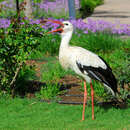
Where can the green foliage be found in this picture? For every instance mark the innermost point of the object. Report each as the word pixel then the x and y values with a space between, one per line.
pixel 99 90
pixel 119 61
pixel 87 6
pixel 124 70
pixel 6 11
pixel 124 95
pixel 96 42
pixel 125 66
pixel 25 74
pixel 49 91
pixel 37 1
pixel 16 44
pixel 52 72
pixel 49 45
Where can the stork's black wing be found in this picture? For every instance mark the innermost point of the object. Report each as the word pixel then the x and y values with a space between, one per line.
pixel 98 73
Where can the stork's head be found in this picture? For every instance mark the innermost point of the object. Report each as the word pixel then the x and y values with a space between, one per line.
pixel 65 28
pixel 68 27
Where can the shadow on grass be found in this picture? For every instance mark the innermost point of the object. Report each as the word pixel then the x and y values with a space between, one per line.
pixel 32 86
pixel 114 103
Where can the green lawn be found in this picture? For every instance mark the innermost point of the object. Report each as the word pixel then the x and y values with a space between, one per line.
pixel 22 114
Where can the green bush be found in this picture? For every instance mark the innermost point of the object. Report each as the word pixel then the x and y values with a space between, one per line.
pixel 87 6
pixel 124 69
pixel 16 44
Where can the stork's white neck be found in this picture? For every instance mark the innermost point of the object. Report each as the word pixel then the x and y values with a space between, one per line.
pixel 65 39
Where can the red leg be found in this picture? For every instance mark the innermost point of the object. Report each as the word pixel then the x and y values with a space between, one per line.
pixel 85 98
pixel 92 96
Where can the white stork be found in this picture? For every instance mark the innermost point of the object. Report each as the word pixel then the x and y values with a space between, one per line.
pixel 84 63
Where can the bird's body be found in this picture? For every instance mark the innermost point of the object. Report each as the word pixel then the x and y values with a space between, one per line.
pixel 72 55
pixel 84 63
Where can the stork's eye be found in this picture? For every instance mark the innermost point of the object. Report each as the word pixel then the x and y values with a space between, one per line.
pixel 66 24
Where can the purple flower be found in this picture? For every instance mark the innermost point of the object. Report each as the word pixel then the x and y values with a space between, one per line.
pixel 4 23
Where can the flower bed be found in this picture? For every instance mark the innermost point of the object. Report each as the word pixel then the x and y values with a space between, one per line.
pixel 90 25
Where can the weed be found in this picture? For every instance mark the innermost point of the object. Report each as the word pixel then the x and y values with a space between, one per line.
pixel 52 72
pixel 124 95
pixel 98 89
pixel 49 91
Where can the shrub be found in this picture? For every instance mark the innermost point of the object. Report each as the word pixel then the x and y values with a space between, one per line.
pixel 16 44
pixel 124 67
pixel 87 6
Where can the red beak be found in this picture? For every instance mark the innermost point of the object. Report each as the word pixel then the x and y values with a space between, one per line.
pixel 60 30
pixel 54 21
pixel 57 22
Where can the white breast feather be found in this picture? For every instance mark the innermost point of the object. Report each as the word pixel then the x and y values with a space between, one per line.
pixel 86 58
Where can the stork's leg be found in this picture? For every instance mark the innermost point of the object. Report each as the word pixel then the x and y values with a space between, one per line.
pixel 85 98
pixel 92 96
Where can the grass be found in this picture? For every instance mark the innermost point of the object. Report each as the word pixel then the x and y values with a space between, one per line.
pixel 49 46
pixel 52 71
pixel 97 42
pixel 29 114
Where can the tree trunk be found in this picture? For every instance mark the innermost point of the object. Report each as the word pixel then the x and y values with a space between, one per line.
pixel 17 10
pixel 17 6
pixel 28 8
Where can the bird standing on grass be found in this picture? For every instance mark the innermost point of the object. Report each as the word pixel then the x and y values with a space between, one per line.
pixel 84 63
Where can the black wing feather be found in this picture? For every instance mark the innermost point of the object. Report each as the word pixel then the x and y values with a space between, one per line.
pixel 103 75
